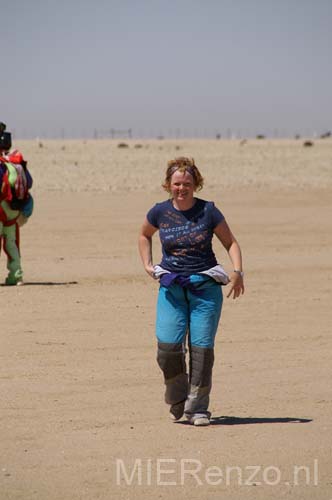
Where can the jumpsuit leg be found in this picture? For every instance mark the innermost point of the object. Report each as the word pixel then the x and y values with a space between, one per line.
pixel 1 235
pixel 11 248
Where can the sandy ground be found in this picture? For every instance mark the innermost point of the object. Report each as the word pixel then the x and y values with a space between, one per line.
pixel 82 412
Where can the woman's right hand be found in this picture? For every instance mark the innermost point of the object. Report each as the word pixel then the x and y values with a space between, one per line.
pixel 150 270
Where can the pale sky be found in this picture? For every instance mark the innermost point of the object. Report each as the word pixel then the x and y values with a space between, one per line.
pixel 186 67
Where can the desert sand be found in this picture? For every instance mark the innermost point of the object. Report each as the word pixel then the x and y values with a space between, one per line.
pixel 82 411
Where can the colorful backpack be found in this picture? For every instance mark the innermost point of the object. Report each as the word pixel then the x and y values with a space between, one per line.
pixel 15 180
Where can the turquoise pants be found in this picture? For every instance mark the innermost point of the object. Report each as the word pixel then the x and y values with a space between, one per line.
pixel 180 310
pixel 180 313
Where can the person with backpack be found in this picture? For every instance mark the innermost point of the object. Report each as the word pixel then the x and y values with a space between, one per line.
pixel 16 204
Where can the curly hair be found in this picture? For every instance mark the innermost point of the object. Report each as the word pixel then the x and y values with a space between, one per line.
pixel 183 164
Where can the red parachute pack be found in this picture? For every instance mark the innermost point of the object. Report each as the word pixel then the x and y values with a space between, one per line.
pixel 23 182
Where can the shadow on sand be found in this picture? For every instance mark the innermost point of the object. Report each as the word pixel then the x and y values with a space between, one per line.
pixel 227 420
pixel 45 283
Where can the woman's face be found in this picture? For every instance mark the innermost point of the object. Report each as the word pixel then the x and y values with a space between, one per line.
pixel 182 186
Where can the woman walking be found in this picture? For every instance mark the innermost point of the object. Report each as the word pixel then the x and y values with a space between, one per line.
pixel 190 296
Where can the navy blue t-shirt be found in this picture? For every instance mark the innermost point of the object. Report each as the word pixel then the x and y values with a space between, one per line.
pixel 186 235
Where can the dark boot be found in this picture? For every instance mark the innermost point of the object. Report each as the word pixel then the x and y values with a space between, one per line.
pixel 171 360
pixel 200 379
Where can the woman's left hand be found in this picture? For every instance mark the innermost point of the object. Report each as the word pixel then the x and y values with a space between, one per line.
pixel 237 285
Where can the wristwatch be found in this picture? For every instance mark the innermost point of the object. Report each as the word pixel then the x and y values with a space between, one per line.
pixel 241 273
